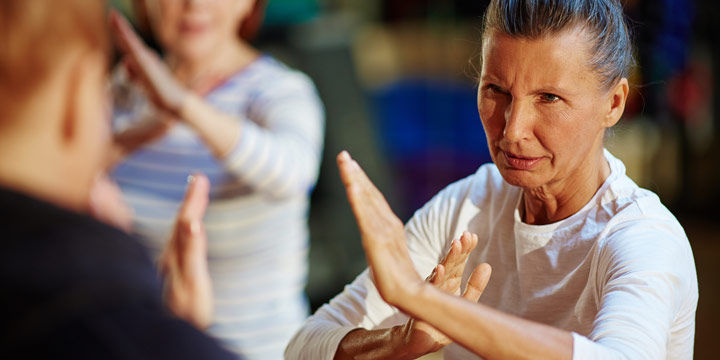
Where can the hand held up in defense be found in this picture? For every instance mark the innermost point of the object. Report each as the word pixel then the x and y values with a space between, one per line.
pixel 422 337
pixel 188 288
pixel 173 99
pixel 183 264
pixel 145 67
pixel 382 232
pixel 387 255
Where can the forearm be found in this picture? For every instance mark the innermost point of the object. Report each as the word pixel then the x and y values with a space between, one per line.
pixel 283 163
pixel 487 332
pixel 134 138
pixel 375 344
pixel 219 131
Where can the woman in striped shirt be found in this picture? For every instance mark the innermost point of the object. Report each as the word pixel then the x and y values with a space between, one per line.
pixel 216 105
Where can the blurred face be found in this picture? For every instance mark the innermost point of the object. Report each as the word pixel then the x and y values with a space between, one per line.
pixel 542 108
pixel 192 29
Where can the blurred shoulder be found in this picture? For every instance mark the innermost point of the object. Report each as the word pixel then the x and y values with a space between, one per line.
pixel 268 73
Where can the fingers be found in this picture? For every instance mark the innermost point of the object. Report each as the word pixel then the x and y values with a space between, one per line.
pixel 127 39
pixel 468 241
pixel 188 288
pixel 460 248
pixel 477 282
pixel 352 174
pixel 196 198
pixel 191 236
pixel 139 59
pixel 456 257
pixel 188 242
pixel 437 277
pixel 371 210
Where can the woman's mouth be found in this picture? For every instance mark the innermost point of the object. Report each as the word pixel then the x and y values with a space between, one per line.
pixel 189 29
pixel 520 162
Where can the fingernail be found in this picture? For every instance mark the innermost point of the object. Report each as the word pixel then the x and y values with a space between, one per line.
pixel 190 179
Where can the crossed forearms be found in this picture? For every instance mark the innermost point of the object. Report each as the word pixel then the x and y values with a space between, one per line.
pixel 390 343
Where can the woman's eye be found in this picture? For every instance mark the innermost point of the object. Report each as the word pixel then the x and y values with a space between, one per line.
pixel 494 89
pixel 550 98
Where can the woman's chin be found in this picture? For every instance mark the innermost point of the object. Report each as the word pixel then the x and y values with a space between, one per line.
pixel 521 178
pixel 193 51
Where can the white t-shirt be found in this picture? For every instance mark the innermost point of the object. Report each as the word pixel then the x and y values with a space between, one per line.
pixel 619 273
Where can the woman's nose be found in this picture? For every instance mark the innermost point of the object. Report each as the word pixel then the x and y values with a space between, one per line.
pixel 518 122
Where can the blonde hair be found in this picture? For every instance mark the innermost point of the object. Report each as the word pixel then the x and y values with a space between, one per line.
pixel 34 34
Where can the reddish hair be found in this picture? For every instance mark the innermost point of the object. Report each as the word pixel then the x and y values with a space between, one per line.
pixel 34 34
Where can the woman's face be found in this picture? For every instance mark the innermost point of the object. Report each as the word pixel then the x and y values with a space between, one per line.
pixel 193 29
pixel 542 108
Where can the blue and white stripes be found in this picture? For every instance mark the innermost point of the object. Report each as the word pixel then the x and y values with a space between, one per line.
pixel 257 218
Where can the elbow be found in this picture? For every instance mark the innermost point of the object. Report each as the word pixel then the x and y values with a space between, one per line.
pixel 297 180
pixel 297 347
pixel 291 188
pixel 291 351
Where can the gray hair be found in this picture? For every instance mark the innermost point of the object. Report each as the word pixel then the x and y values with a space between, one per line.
pixel 602 20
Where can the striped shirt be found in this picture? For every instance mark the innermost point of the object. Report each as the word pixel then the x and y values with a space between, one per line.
pixel 257 218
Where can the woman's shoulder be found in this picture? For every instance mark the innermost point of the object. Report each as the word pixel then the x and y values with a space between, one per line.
pixel 623 201
pixel 638 225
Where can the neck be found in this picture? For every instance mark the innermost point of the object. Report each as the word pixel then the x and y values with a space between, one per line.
pixel 557 201
pixel 41 171
pixel 222 62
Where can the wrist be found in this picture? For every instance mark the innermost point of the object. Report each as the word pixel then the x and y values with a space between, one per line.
pixel 186 106
pixel 403 345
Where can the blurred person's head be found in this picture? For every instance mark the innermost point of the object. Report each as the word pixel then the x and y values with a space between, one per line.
pixel 553 79
pixel 192 29
pixel 54 128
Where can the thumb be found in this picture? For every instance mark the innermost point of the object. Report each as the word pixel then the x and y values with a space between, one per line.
pixel 477 282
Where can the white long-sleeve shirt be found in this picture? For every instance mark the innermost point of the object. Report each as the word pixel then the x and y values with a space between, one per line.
pixel 619 274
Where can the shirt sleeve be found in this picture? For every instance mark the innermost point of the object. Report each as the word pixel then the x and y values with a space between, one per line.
pixel 279 151
pixel 360 304
pixel 648 292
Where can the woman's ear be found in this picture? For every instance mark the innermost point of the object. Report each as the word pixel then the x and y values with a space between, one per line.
pixel 71 105
pixel 84 99
pixel 617 96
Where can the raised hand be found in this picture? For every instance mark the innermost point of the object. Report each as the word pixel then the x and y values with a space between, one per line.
pixel 146 67
pixel 383 235
pixel 386 251
pixel 422 337
pixel 188 289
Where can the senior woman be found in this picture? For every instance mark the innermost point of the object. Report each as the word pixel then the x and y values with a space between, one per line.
pixel 585 263
pixel 216 105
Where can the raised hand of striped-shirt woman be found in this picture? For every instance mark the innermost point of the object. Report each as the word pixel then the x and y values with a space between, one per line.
pixel 219 131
